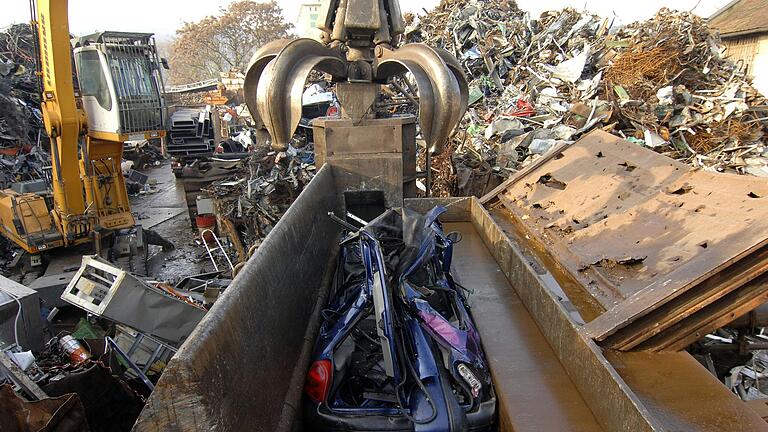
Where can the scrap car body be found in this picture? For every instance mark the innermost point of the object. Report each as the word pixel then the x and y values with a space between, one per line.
pixel 397 348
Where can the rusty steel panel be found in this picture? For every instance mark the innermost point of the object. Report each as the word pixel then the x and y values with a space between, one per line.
pixel 680 391
pixel 717 314
pixel 722 297
pixel 243 367
pixel 638 230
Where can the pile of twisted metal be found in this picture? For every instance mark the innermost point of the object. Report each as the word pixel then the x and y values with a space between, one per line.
pixel 665 84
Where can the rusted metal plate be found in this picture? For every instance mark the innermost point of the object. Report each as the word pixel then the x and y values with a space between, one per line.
pixel 720 313
pixel 244 366
pixel 682 393
pixel 348 139
pixel 625 391
pixel 638 229
pixel 724 222
pixel 719 298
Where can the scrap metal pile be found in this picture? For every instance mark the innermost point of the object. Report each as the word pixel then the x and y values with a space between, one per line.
pixel 110 361
pixel 19 164
pixel 21 122
pixel 253 200
pixel 537 82
pixel 90 374
pixel 20 117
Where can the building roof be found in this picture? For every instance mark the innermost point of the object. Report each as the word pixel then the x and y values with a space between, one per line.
pixel 741 17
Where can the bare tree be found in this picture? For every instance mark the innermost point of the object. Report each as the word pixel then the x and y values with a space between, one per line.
pixel 220 43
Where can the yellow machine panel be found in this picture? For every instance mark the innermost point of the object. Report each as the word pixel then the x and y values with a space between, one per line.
pixel 27 222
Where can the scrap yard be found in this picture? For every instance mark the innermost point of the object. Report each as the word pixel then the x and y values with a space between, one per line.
pixel 368 215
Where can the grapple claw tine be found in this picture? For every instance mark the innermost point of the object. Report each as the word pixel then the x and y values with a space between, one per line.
pixel 443 89
pixel 394 67
pixel 455 67
pixel 279 80
pixel 256 66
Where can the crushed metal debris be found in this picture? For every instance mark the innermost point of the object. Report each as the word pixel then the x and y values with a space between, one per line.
pixel 537 82
pixel 536 86
pixel 249 203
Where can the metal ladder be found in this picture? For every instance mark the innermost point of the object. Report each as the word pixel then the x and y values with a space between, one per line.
pixel 219 247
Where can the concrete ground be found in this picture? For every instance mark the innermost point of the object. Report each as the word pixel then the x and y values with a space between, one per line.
pixel 165 212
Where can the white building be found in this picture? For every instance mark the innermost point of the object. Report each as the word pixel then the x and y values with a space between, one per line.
pixel 743 26
pixel 305 23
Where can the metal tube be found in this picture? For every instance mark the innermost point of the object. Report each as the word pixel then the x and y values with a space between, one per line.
pixel 152 358
pixel 428 163
pixel 136 343
pixel 342 222
pixel 131 364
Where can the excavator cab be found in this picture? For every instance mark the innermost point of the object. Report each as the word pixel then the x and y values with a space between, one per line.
pixel 120 85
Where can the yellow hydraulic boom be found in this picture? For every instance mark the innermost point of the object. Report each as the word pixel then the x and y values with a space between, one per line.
pixel 64 122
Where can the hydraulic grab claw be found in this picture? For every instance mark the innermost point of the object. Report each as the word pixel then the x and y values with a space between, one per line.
pixel 356 46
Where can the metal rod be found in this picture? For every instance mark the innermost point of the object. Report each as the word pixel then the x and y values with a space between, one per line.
pixel 136 343
pixel 357 219
pixel 152 358
pixel 428 163
pixel 110 342
pixel 342 222
pixel 405 93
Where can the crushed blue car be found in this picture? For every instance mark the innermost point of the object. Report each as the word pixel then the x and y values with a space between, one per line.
pixel 397 349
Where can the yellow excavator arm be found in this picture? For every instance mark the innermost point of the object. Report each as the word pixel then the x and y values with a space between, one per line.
pixel 64 122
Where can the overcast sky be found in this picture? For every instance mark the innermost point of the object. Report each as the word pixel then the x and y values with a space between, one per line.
pixel 163 17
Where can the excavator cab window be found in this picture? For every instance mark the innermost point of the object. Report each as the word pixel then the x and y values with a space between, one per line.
pixel 135 87
pixel 132 77
pixel 128 83
pixel 91 77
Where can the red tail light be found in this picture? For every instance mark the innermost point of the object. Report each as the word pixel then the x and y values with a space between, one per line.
pixel 318 380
